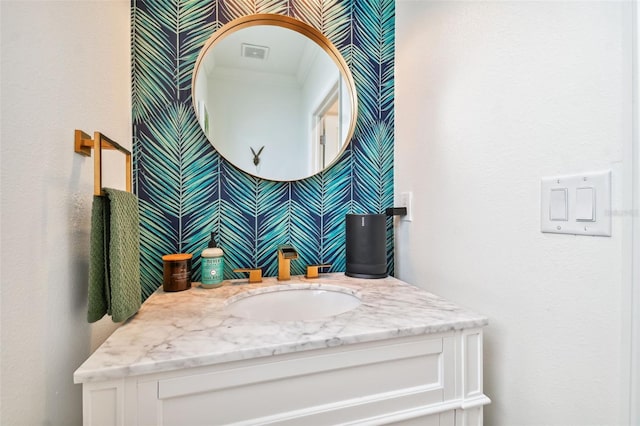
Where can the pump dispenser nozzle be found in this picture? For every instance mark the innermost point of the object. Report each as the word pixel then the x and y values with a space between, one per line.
pixel 212 241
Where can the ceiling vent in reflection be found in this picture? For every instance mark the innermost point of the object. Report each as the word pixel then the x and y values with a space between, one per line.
pixel 254 51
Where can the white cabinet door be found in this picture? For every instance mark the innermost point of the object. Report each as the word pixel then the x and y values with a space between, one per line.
pixel 347 385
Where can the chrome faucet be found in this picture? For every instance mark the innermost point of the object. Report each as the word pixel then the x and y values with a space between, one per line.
pixel 285 253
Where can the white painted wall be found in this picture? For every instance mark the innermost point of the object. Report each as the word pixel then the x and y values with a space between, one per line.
pixel 272 119
pixel 635 298
pixel 490 97
pixel 65 65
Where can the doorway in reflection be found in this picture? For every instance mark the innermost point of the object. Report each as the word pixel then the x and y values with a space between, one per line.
pixel 326 143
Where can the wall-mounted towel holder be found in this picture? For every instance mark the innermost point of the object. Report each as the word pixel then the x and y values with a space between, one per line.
pixel 84 144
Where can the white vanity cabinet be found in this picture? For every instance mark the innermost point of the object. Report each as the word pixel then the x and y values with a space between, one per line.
pixel 425 380
pixel 422 379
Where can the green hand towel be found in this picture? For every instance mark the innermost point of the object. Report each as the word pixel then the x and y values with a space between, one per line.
pixel 114 268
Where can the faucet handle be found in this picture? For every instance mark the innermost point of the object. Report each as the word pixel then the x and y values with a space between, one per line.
pixel 312 270
pixel 255 274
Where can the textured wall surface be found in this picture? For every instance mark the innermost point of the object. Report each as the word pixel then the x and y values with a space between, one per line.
pixel 46 193
pixel 503 94
pixel 187 190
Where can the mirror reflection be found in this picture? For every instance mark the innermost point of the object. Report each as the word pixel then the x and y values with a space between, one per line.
pixel 276 102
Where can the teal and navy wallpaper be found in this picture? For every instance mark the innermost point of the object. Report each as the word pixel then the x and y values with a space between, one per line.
pixel 187 190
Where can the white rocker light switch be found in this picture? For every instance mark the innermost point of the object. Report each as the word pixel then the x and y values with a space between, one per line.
pixel 585 204
pixel 558 204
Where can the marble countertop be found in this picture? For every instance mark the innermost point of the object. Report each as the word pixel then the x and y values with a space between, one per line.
pixel 192 328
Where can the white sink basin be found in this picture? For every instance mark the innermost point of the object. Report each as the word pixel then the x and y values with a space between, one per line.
pixel 292 303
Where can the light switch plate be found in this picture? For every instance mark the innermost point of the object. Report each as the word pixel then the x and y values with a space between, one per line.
pixel 599 182
pixel 406 200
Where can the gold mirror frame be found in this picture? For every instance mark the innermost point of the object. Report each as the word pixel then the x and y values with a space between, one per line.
pixel 303 29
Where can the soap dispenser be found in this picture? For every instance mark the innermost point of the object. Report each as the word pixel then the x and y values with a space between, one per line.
pixel 212 264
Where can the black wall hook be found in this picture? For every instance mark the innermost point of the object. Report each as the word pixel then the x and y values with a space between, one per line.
pixel 256 157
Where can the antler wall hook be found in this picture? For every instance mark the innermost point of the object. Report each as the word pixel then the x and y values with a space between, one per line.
pixel 256 157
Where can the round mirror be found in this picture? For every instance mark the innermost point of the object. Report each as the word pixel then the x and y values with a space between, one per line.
pixel 274 97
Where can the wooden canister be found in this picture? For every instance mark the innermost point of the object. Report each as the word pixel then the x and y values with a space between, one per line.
pixel 177 272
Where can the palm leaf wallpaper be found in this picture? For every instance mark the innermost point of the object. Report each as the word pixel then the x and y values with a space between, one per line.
pixel 187 190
